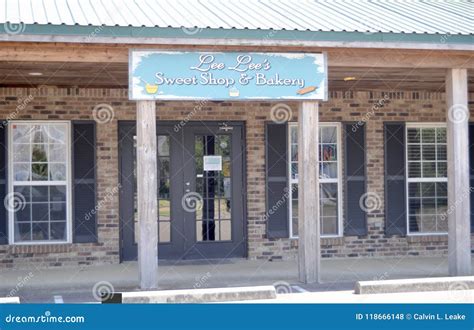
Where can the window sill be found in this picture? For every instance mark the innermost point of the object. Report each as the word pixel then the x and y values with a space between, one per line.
pixel 41 248
pixel 330 240
pixel 427 238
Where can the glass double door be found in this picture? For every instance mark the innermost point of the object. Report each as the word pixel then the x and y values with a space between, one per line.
pixel 200 191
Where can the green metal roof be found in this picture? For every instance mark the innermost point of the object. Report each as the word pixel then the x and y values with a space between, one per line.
pixel 364 20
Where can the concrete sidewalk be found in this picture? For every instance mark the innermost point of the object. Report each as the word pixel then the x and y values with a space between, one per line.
pixel 337 274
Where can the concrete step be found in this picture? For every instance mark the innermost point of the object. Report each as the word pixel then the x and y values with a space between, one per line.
pixel 415 285
pixel 192 296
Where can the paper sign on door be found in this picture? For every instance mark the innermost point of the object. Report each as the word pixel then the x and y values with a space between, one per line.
pixel 212 163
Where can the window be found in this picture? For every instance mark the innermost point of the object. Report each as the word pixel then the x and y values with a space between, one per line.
pixel 39 185
pixel 329 175
pixel 427 179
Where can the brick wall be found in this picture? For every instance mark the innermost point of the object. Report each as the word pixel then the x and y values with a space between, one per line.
pixel 73 104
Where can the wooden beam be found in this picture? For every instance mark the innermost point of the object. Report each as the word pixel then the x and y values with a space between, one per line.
pixel 234 42
pixel 459 211
pixel 337 57
pixel 147 195
pixel 309 248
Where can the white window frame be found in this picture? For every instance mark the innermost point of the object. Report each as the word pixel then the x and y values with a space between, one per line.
pixel 338 180
pixel 409 180
pixel 11 236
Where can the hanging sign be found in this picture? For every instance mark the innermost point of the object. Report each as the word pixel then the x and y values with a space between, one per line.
pixel 212 163
pixel 158 75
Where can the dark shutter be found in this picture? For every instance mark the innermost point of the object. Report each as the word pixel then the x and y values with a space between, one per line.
pixel 471 171
pixel 277 180
pixel 3 183
pixel 84 182
pixel 355 180
pixel 395 207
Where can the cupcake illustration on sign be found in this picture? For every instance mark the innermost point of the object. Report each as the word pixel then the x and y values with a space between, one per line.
pixel 151 88
pixel 234 92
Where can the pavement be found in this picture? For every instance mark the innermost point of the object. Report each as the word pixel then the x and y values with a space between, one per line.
pixel 83 284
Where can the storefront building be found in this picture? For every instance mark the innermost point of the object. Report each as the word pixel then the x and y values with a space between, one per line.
pixel 69 134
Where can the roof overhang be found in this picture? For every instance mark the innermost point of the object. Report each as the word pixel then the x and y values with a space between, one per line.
pixel 234 37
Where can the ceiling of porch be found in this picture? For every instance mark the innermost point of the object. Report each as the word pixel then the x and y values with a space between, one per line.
pixel 115 75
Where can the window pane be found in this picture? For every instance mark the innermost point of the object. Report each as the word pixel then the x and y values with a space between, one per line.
pixel 329 152
pixel 57 172
pixel 39 134
pixel 163 145
pixel 329 226
pixel 40 231
pixel 428 189
pixel 442 189
pixel 40 212
pixel 429 169
pixel 294 170
pixel 39 193
pixel 21 133
pixel 294 134
pixel 414 152
pixel 58 211
pixel 58 231
pixel 22 232
pixel 429 152
pixel 442 153
pixel 21 153
pixel 294 152
pixel 21 172
pixel 328 134
pixel 414 189
pixel 39 172
pixel 428 135
pixel 413 135
pixel 414 169
pixel 57 193
pixel 57 153
pixel 57 134
pixel 328 170
pixel 441 135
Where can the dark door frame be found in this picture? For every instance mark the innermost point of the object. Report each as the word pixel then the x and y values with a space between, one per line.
pixel 127 127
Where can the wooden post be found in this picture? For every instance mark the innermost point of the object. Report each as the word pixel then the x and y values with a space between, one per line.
pixel 147 195
pixel 459 211
pixel 308 193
